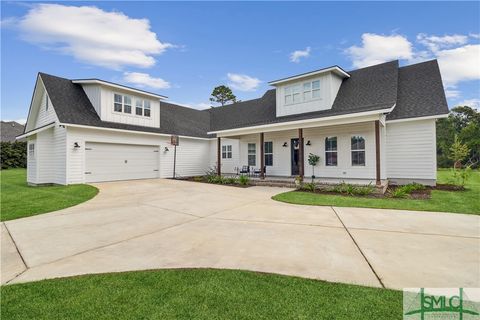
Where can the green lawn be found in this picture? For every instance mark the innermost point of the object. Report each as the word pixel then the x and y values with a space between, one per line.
pixel 19 200
pixel 196 294
pixel 446 201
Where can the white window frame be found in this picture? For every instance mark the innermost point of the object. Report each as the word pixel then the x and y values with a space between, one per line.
pixel 252 154
pixel 331 151
pixel 358 150
pixel 145 106
pixel 227 151
pixel 115 102
pixel 305 91
pixel 31 150
pixel 267 153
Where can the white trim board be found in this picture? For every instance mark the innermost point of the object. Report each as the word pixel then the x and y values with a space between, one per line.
pixel 439 116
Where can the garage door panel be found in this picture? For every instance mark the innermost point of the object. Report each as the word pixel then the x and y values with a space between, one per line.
pixel 109 162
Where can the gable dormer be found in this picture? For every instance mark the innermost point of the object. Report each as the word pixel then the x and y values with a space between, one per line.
pixel 121 104
pixel 308 92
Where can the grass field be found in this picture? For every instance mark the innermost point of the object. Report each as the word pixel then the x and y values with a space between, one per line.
pixel 19 200
pixel 196 294
pixel 467 201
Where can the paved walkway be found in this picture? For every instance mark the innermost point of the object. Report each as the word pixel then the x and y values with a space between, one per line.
pixel 151 224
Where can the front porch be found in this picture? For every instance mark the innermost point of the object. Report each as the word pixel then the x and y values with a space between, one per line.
pixel 349 152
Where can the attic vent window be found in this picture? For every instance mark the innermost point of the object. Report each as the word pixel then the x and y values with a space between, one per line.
pixel 46 102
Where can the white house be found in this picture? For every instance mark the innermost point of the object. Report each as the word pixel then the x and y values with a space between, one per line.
pixel 367 125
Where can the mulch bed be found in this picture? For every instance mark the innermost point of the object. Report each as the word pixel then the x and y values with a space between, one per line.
pixel 195 179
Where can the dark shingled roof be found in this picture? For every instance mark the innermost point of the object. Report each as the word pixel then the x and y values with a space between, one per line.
pixel 73 106
pixel 416 90
pixel 420 92
pixel 10 129
pixel 367 89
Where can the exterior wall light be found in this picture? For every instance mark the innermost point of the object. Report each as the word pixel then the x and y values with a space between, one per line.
pixel 309 143
pixel 76 145
pixel 166 149
pixel 284 145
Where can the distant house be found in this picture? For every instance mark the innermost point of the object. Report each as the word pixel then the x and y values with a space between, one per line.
pixel 367 125
pixel 10 130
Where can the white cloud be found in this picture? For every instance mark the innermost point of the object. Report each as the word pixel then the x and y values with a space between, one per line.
pixel 435 43
pixel 91 35
pixel 451 93
pixel 296 55
pixel 474 35
pixel 377 49
pixel 242 82
pixel 459 64
pixel 145 80
pixel 473 103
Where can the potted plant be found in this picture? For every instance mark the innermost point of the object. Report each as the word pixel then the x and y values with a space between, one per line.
pixel 313 160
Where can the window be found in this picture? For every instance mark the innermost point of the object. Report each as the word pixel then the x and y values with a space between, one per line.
pixel 127 104
pixel 146 108
pixel 227 152
pixel 358 151
pixel 301 93
pixel 31 150
pixel 117 103
pixel 252 154
pixel 139 107
pixel 269 153
pixel 331 151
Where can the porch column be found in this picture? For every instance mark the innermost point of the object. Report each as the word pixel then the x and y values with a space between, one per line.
pixel 262 156
pixel 219 156
pixel 377 151
pixel 301 169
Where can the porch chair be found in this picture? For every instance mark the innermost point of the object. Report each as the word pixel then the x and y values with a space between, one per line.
pixel 257 172
pixel 245 170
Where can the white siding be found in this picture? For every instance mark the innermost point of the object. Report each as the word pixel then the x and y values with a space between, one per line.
pixel 93 93
pixel 228 165
pixel 329 86
pixel 107 113
pixel 193 155
pixel 411 150
pixel 59 154
pixel 44 157
pixel 344 169
pixel 45 116
pixel 32 161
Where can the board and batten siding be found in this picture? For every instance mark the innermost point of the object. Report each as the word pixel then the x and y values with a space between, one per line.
pixel 45 116
pixel 193 155
pixel 93 92
pixel 411 151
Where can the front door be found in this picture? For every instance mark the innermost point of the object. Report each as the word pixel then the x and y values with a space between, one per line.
pixel 294 158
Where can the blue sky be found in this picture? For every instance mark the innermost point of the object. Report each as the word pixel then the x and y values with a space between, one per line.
pixel 183 50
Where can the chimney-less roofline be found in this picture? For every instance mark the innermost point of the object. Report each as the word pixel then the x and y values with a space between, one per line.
pixel 336 69
pixel 118 86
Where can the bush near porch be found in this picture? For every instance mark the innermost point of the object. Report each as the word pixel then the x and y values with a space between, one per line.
pixel 18 200
pixel 466 201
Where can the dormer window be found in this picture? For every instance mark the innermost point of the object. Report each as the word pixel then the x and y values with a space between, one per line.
pixel 117 104
pixel 122 103
pixel 142 107
pixel 302 92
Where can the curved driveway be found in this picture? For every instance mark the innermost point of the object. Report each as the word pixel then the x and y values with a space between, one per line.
pixel 150 224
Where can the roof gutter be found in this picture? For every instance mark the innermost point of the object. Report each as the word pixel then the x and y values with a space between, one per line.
pixel 437 116
pixel 35 131
pixel 127 131
pixel 306 121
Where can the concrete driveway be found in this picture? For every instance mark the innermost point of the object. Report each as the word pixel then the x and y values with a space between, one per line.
pixel 152 224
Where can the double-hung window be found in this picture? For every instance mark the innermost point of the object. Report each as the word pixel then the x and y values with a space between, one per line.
pixel 331 151
pixel 117 103
pixel 31 150
pixel 358 151
pixel 139 107
pixel 252 154
pixel 146 108
pixel 268 153
pixel 302 92
pixel 127 104
pixel 227 152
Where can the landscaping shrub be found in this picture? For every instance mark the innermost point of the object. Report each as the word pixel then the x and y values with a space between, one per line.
pixel 13 154
pixel 398 193
pixel 460 177
pixel 352 190
pixel 406 190
pixel 229 180
pixel 243 180
pixel 311 187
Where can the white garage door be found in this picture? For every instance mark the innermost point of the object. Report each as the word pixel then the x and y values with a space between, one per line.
pixel 109 161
